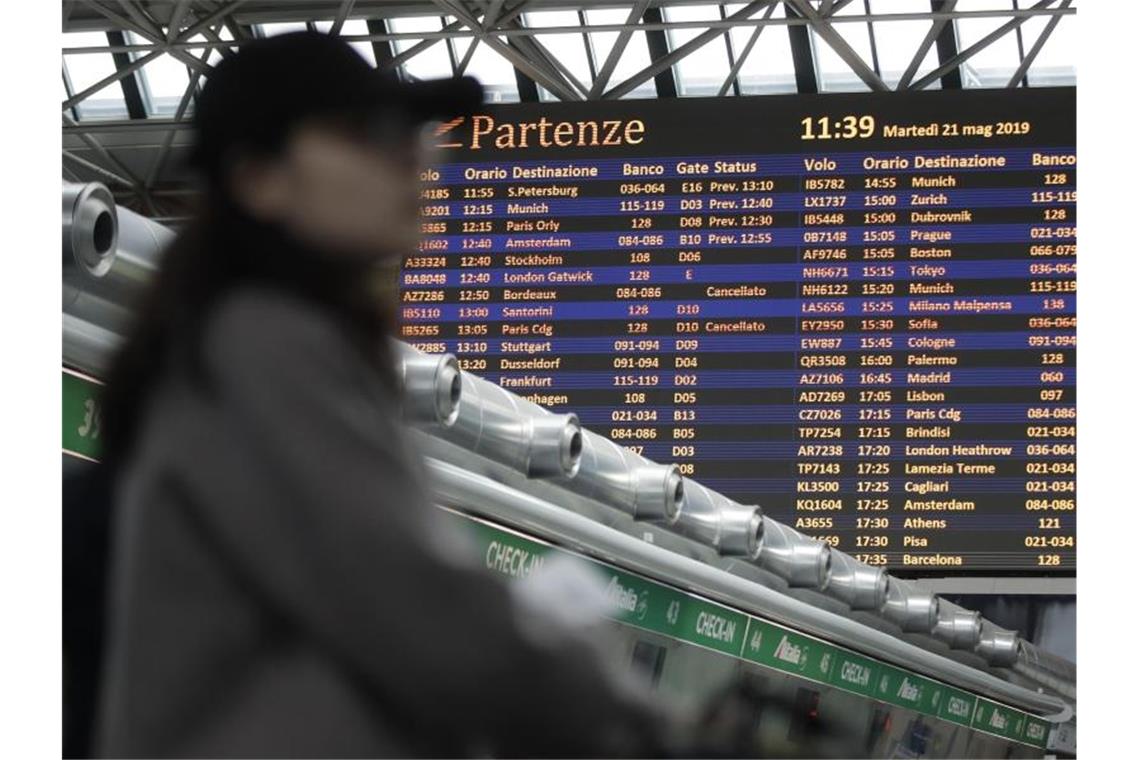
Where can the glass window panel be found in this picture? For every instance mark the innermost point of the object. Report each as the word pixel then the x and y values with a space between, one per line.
pixel 215 52
pixel 1055 63
pixel 570 50
pixel 896 42
pixel 634 58
pixel 896 6
pixel 353 27
pixel 495 72
pixel 993 65
pixel 358 27
pixel 433 63
pixel 702 71
pixel 768 69
pixel 568 47
pixel 835 74
pixel 85 69
pixel 163 81
pixel 984 5
pixel 272 30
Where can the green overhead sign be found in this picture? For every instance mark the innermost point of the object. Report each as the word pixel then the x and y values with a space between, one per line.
pixel 82 421
pixel 652 606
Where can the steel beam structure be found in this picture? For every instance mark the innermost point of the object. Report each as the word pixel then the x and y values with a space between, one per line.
pixel 189 31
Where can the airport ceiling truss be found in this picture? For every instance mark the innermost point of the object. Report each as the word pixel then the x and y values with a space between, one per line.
pixel 635 48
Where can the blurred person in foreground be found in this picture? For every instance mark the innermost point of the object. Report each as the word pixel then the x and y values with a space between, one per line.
pixel 280 585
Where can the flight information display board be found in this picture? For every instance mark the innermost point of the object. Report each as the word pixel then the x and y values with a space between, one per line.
pixel 858 311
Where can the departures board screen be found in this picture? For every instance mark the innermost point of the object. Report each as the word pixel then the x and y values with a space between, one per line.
pixel 858 311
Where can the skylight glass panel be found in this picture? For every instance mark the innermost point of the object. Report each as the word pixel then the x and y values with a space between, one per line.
pixel 432 63
pixel 984 5
pixel 355 27
pixel 704 70
pixel 835 74
pixel 993 65
pixel 495 72
pixel 568 47
pixel 272 30
pixel 163 80
pixel 768 68
pixel 634 58
pixel 86 69
pixel 896 43
pixel 215 52
pixel 1055 63
pixel 358 27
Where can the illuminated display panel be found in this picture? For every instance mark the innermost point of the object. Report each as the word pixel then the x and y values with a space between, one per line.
pixel 858 311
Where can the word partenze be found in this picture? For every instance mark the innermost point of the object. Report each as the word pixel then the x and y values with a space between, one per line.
pixel 561 134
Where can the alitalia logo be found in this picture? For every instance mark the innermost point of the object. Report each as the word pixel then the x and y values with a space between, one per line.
pixel 998 721
pixel 958 707
pixel 789 652
pixel 1035 731
pixel 907 691
pixel 621 597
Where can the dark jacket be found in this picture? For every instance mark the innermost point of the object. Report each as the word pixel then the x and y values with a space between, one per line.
pixel 278 588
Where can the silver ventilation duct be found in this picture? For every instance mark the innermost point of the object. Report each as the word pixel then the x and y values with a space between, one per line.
pixel 493 423
pixel 615 476
pixel 602 470
pixel 619 478
pixel 109 253
pixel 860 586
pixel 799 560
pixel 910 608
pixel 733 529
pixel 432 385
pixel 957 627
pixel 88 347
pixel 998 646
pixel 90 230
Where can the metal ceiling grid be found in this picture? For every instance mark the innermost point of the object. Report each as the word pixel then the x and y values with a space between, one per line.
pixel 127 100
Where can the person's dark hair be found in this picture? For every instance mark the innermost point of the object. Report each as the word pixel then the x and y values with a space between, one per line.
pixel 249 106
pixel 223 249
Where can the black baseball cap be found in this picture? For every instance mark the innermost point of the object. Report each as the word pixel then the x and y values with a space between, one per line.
pixel 253 98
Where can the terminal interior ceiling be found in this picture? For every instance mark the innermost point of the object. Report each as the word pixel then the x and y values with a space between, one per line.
pixel 974 664
pixel 131 70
